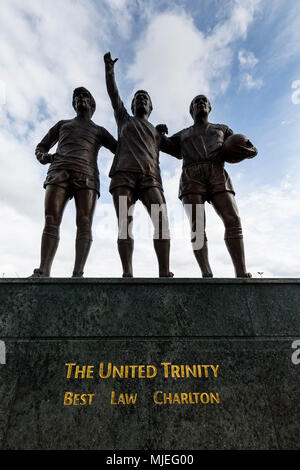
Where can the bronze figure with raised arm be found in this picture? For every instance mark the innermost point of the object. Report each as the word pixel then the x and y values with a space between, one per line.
pixel 204 147
pixel 73 172
pixel 135 173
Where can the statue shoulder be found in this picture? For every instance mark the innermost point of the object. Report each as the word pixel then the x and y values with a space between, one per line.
pixel 56 128
pixel 96 126
pixel 61 123
pixel 223 127
pixel 185 131
pixel 101 131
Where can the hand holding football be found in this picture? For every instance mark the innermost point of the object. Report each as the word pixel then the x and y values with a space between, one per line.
pixel 237 148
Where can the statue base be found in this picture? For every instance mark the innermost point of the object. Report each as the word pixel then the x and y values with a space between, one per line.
pixel 158 364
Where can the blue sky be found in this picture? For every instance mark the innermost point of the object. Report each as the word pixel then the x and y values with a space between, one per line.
pixel 244 54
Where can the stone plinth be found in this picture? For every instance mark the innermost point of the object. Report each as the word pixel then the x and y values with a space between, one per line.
pixel 245 326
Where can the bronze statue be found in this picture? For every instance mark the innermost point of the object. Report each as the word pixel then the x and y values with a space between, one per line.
pixel 204 178
pixel 73 172
pixel 135 172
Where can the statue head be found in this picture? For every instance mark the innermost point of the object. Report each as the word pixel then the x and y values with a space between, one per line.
pixel 200 105
pixel 141 103
pixel 83 100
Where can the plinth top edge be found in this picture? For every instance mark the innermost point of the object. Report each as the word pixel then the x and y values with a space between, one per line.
pixel 148 280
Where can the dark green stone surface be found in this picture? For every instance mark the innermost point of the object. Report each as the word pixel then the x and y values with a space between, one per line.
pixel 245 326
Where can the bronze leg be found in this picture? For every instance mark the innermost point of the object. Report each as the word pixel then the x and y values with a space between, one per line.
pixel 202 254
pixel 159 217
pixel 125 240
pixel 56 199
pixel 225 206
pixel 85 202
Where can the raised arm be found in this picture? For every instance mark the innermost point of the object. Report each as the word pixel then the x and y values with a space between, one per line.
pixel 50 139
pixel 111 85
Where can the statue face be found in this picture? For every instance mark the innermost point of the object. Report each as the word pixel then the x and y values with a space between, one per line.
pixel 200 105
pixel 82 101
pixel 141 103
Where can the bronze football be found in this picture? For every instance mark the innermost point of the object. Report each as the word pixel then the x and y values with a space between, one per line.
pixel 236 148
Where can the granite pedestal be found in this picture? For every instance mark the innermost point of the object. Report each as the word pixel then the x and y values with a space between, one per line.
pixel 245 326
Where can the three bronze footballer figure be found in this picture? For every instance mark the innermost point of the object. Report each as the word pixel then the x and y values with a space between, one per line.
pixel 135 174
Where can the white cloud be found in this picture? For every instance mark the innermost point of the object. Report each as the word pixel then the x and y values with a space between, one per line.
pixel 249 82
pixel 247 59
pixel 174 60
pixel 272 229
pixel 285 43
pixel 120 16
pixel 54 50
